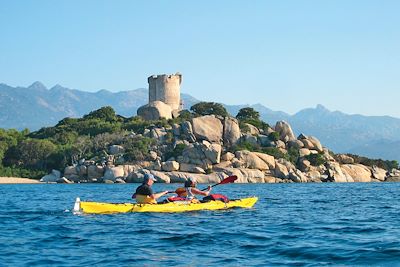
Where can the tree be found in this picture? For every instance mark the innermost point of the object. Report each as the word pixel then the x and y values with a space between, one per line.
pixel 67 122
pixel 248 114
pixel 209 108
pixel 94 127
pixel 30 153
pixel 9 138
pixel 137 148
pixel 106 113
pixel 185 115
pixel 251 116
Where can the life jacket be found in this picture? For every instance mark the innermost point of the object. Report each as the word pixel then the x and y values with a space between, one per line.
pixel 172 199
pixel 219 197
pixel 185 193
pixel 180 199
pixel 181 192
pixel 143 199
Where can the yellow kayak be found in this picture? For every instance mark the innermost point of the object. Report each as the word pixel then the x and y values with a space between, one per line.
pixel 179 206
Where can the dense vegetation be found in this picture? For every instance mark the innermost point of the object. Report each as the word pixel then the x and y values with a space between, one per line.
pixel 384 164
pixel 209 108
pixel 25 154
pixel 251 116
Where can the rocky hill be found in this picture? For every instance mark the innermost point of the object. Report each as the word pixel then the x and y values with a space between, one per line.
pixel 211 147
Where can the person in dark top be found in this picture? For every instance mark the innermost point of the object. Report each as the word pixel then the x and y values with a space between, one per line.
pixel 144 193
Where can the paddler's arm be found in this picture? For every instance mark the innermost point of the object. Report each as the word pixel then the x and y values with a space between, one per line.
pixel 158 195
pixel 199 192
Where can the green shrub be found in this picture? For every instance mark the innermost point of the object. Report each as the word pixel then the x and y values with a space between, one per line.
pixel 243 127
pixel 68 122
pixel 30 153
pixel 136 124
pixel 274 136
pixel 64 138
pixel 169 137
pixel 273 151
pixel 251 116
pixel 248 114
pixel 137 148
pixel 209 108
pixel 176 152
pixel 244 145
pixel 21 172
pixel 292 155
pixel 316 159
pixel 106 113
pixel 9 138
pixel 94 127
pixel 384 164
pixel 45 132
pixel 185 115
pixel 104 140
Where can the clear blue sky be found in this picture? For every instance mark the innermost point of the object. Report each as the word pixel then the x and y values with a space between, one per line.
pixel 287 55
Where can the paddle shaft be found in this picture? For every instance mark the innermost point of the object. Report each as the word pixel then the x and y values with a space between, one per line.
pixel 227 180
pixel 211 187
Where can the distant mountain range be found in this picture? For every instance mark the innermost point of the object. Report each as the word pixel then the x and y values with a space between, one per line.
pixel 37 106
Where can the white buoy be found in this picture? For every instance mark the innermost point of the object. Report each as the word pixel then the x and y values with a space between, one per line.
pixel 77 205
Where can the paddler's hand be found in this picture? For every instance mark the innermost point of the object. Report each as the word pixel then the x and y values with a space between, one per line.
pixel 208 190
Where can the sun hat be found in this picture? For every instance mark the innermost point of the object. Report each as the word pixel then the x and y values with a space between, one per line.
pixel 149 176
pixel 190 182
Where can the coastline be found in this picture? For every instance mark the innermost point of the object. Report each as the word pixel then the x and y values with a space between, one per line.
pixel 18 180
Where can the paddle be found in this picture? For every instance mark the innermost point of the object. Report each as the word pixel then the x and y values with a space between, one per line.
pixel 227 180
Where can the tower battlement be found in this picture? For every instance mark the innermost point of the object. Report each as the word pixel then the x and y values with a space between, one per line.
pixel 166 88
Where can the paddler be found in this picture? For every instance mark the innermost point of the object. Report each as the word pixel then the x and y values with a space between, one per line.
pixel 144 193
pixel 190 191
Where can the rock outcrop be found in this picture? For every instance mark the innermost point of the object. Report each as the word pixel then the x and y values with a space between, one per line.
pixel 209 148
pixel 53 177
pixel 358 172
pixel 155 110
pixel 337 174
pixel 231 131
pixel 208 128
pixel 251 160
pixel 285 131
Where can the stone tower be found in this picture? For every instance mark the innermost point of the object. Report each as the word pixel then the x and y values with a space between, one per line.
pixel 165 88
pixel 164 97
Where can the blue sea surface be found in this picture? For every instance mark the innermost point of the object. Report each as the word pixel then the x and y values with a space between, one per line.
pixel 292 224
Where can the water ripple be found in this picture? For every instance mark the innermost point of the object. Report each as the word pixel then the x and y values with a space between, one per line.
pixel 293 224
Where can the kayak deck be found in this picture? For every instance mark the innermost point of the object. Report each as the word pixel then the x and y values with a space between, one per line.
pixel 179 206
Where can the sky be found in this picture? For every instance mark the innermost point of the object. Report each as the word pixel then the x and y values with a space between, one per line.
pixel 284 54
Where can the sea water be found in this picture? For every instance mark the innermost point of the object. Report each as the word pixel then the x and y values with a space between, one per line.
pixel 292 224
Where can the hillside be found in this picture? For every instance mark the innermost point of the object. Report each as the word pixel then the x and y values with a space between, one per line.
pixel 205 144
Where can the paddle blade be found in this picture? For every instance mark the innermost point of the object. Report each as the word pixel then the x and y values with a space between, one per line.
pixel 229 179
